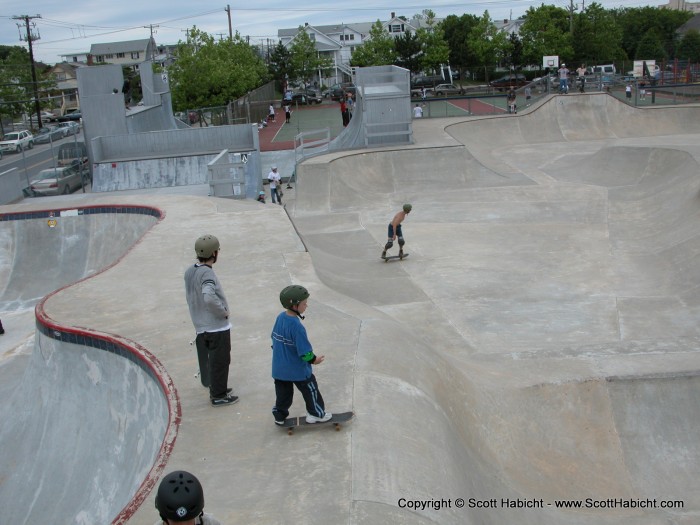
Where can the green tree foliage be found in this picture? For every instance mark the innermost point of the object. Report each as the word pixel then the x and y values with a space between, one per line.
pixel 636 23
pixel 650 47
pixel 689 46
pixel 305 60
pixel 487 43
pixel 280 64
pixel 597 37
pixel 435 51
pixel 378 50
pixel 545 32
pixel 210 73
pixel 408 52
pixel 514 51
pixel 457 30
pixel 16 90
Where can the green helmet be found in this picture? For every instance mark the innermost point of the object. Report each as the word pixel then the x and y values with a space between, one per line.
pixel 407 207
pixel 205 246
pixel 293 295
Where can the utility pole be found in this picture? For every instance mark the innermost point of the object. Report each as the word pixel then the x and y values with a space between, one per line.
pixel 153 42
pixel 30 38
pixel 230 29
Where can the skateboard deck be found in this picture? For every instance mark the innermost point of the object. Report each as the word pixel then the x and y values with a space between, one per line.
pixel 292 422
pixel 391 257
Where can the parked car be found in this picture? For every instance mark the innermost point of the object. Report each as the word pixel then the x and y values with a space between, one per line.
pixel 426 82
pixel 50 134
pixel 339 90
pixel 46 116
pixel 69 128
pixel 17 141
pixel 445 90
pixel 74 115
pixel 303 97
pixel 509 81
pixel 74 154
pixel 60 180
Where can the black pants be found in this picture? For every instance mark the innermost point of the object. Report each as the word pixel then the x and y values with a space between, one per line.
pixel 284 391
pixel 214 353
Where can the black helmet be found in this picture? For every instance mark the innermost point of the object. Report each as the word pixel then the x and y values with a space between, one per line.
pixel 293 295
pixel 205 246
pixel 180 497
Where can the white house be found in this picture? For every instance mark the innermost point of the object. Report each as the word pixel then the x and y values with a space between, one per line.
pixel 340 40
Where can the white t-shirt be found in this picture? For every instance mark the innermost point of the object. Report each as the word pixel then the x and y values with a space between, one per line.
pixel 274 179
pixel 417 112
pixel 563 73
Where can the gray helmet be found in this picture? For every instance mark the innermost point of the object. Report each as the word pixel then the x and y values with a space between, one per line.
pixel 205 246
pixel 407 208
pixel 293 295
pixel 180 497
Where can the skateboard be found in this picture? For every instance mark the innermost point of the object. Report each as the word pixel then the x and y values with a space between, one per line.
pixel 292 422
pixel 390 257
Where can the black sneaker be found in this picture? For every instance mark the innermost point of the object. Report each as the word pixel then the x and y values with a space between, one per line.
pixel 228 391
pixel 279 422
pixel 221 401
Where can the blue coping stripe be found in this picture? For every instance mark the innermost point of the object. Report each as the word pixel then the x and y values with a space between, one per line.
pixel 100 343
pixel 47 214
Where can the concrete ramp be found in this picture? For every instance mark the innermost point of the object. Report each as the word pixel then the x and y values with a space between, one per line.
pixel 74 444
pixel 541 342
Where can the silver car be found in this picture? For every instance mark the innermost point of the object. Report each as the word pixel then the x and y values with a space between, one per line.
pixel 69 128
pixel 50 134
pixel 57 181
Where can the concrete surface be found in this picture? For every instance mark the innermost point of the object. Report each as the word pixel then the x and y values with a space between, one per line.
pixel 540 344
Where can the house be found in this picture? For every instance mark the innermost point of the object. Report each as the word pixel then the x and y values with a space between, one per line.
pixel 128 53
pixel 693 23
pixel 682 5
pixel 339 41
pixel 65 96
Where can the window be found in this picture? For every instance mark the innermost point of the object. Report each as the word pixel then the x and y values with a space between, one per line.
pixel 352 37
pixel 136 54
pixel 396 28
pixel 99 58
pixel 109 56
pixel 120 55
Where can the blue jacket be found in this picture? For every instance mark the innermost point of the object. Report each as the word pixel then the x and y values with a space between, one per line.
pixel 289 344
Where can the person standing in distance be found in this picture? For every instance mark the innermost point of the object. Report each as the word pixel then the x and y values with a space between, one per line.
pixel 292 357
pixel 180 499
pixel 274 179
pixel 210 317
pixel 395 230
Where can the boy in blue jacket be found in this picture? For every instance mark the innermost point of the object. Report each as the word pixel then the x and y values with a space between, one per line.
pixel 292 357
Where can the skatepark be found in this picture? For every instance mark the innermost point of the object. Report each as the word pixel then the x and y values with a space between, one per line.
pixel 540 345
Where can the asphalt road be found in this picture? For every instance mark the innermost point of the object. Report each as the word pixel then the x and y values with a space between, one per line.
pixel 30 162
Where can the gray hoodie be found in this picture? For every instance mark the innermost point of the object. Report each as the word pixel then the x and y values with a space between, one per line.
pixel 206 299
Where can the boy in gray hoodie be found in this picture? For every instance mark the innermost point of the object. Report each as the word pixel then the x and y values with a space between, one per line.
pixel 209 313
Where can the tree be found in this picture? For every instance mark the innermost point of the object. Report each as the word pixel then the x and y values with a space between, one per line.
pixel 280 64
pixel 650 47
pixel 212 73
pixel 378 50
pixel 305 60
pixel 16 94
pixel 408 52
pixel 435 51
pixel 637 21
pixel 689 46
pixel 545 32
pixel 597 37
pixel 487 43
pixel 514 51
pixel 456 30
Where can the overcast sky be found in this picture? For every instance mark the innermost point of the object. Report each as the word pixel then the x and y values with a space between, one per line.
pixel 71 26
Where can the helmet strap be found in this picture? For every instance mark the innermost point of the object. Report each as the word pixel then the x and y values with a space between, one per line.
pixel 293 309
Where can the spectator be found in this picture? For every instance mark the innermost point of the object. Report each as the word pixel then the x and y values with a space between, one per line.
pixel 417 111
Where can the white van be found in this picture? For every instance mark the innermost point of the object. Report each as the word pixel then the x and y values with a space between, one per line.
pixel 607 69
